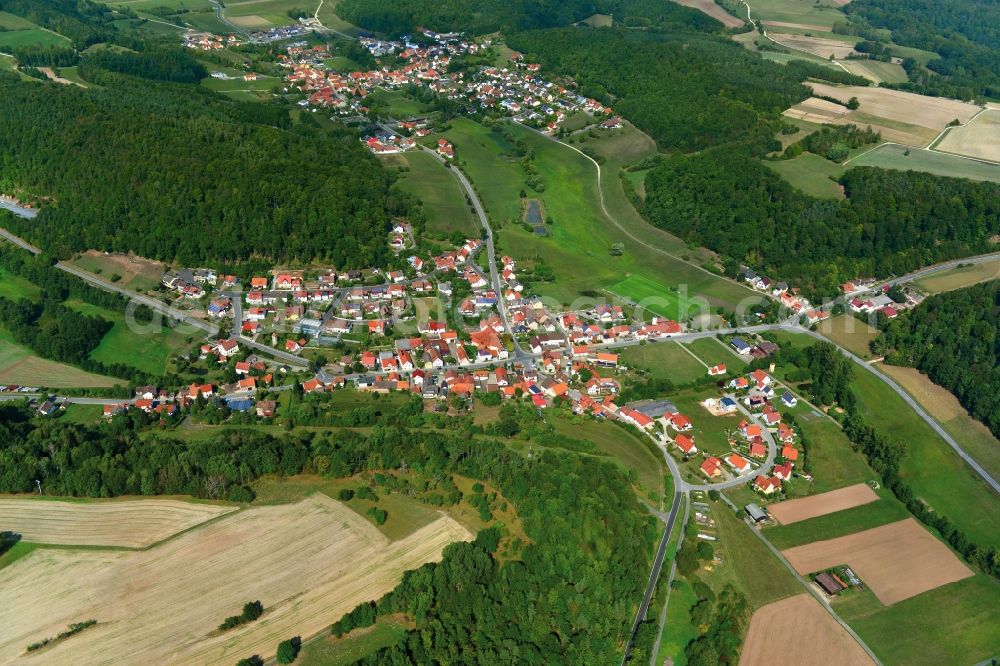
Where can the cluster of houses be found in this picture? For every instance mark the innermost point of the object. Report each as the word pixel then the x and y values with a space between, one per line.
pixel 528 98
pixel 786 295
pixel 414 64
pixel 240 396
pixel 206 41
pixel 864 297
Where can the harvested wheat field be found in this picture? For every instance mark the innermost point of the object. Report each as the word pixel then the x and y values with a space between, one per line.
pixel 807 634
pixel 804 508
pixel 817 110
pixel 897 561
pixel 900 116
pixel 129 523
pixel 820 46
pixel 979 139
pixel 308 563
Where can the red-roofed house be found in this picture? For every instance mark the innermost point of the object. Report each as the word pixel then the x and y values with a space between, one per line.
pixel 767 486
pixel 737 462
pixel 710 467
pixel 685 444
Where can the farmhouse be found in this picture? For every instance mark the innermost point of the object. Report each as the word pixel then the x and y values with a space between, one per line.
pixel 830 584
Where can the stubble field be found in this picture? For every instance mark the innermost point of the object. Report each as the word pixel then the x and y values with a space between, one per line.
pixel 308 563
pixel 128 524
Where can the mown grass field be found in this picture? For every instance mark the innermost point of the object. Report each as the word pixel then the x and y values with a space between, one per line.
pixel 664 360
pixel 396 104
pixel 834 462
pixel 811 174
pixel 760 574
pixel 892 156
pixel 953 624
pixel 957 278
pixel 15 287
pixel 443 197
pixel 876 70
pixel 18 365
pixel 881 512
pixel 712 353
pixel 33 37
pixel 970 434
pixel 658 299
pixel 935 473
pixel 147 351
pixel 327 650
pixel 850 333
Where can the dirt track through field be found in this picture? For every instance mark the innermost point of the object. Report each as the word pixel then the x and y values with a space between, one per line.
pixel 980 138
pixel 897 561
pixel 931 112
pixel 804 508
pixel 130 523
pixel 308 563
pixel 802 633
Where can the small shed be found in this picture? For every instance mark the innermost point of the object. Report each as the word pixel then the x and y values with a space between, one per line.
pixel 756 513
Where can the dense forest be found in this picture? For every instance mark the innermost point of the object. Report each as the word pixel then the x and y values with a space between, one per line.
pixel 891 222
pixel 159 64
pixel 82 21
pixel 965 33
pixel 179 173
pixel 954 338
pixel 567 598
pixel 479 17
pixel 687 90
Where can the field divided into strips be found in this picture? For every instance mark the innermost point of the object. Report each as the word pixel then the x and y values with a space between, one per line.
pixel 308 563
pixel 875 70
pixel 962 276
pixel 882 511
pixel 578 248
pixel 444 199
pixel 979 138
pixel 897 561
pixel 806 632
pixel 903 158
pixel 941 404
pixel 263 14
pixel 124 523
pixel 900 116
pixel 18 365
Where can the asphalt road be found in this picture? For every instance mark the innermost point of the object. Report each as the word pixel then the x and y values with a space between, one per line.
pixel 647 597
pixel 977 468
pixel 170 312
